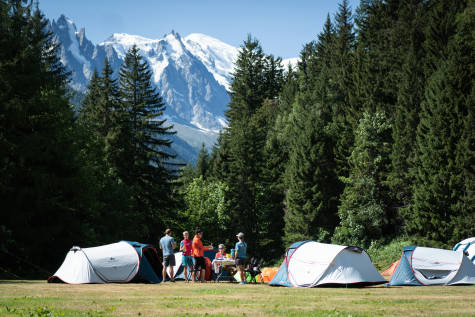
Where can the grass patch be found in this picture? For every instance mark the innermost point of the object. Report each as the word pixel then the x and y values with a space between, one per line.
pixel 37 298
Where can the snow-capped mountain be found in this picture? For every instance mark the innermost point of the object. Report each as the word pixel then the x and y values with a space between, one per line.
pixel 192 75
pixel 218 57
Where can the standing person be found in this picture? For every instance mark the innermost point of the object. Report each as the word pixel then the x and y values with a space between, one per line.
pixel 186 260
pixel 240 256
pixel 197 252
pixel 167 244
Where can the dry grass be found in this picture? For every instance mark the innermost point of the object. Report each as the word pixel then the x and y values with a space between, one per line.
pixel 37 298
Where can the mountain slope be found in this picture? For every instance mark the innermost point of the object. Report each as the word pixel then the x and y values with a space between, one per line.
pixel 192 75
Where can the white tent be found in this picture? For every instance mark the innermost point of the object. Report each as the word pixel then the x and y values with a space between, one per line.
pixel 430 266
pixel 113 263
pixel 310 264
pixel 468 247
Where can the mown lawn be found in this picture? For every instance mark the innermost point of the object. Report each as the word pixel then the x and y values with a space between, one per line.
pixel 37 298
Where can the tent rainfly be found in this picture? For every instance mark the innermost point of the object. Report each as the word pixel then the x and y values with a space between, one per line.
pixel 310 264
pixel 390 270
pixel 467 246
pixel 120 262
pixel 428 266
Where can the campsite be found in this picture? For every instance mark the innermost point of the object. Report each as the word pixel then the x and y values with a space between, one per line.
pixel 314 279
pixel 237 158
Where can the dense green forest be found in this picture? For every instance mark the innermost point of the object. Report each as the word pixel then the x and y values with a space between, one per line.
pixel 369 140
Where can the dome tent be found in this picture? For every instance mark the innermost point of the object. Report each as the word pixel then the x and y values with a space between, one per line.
pixel 120 262
pixel 310 264
pixel 429 266
pixel 468 247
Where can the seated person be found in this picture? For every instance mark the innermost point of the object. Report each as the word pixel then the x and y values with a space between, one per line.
pixel 221 254
pixel 222 251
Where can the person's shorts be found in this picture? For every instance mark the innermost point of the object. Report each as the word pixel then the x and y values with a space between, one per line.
pixel 199 263
pixel 186 260
pixel 169 260
pixel 241 261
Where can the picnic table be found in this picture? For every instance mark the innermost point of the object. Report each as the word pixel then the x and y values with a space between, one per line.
pixel 220 265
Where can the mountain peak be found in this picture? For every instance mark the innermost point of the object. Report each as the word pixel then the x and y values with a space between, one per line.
pixel 128 39
pixel 64 21
pixel 174 34
pixel 217 56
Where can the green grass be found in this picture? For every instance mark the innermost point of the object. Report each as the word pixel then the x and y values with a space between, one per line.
pixel 37 298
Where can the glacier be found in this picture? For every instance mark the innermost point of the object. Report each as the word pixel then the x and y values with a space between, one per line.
pixel 192 74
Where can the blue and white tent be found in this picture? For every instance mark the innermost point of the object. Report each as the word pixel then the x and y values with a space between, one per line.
pixel 310 264
pixel 428 266
pixel 467 246
pixel 120 262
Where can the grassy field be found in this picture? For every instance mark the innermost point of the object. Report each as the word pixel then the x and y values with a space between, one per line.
pixel 37 298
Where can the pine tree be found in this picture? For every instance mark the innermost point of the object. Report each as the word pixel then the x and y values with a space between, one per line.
pixel 39 174
pixel 343 123
pixel 202 164
pixel 444 181
pixel 99 122
pixel 143 160
pixel 256 77
pixel 410 91
pixel 364 211
pixel 311 182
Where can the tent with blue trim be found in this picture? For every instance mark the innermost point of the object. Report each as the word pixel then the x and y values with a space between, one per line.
pixel 467 246
pixel 310 264
pixel 429 266
pixel 120 262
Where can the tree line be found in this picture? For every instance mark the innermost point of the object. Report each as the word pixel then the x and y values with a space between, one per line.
pixel 369 138
pixel 86 176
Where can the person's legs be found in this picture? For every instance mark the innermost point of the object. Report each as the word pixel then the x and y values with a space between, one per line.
pixel 165 264
pixel 172 276
pixel 171 264
pixel 164 273
pixel 193 273
pixel 203 275
pixel 241 272
pixel 185 270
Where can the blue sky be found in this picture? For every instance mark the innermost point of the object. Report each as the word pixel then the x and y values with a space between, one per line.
pixel 282 27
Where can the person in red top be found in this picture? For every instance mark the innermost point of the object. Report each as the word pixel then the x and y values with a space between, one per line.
pixel 222 251
pixel 197 252
pixel 186 260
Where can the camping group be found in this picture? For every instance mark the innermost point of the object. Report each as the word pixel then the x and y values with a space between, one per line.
pixel 305 264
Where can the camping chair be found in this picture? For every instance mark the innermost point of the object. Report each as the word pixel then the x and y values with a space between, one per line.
pixel 254 269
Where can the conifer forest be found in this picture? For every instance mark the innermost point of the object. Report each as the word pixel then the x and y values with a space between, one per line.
pixel 369 139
